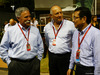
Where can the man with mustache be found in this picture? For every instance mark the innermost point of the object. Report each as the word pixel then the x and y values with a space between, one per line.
pixel 58 35
pixel 22 46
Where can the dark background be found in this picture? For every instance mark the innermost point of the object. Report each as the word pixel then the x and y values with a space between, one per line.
pixel 7 13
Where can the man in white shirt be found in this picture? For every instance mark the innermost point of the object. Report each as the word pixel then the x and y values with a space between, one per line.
pixel 58 35
pixel 85 45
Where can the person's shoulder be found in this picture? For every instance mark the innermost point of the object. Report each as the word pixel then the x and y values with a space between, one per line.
pixel 16 25
pixel 34 28
pixel 94 28
pixel 68 21
pixel 48 25
pixel 7 25
pixel 12 27
pixel 95 31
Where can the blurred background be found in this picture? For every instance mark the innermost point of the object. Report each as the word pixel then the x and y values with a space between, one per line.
pixel 40 9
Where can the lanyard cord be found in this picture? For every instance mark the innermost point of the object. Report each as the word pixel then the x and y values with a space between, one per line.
pixel 57 30
pixel 79 43
pixel 24 34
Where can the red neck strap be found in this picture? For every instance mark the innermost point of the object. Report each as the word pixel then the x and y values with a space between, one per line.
pixel 79 43
pixel 57 30
pixel 24 34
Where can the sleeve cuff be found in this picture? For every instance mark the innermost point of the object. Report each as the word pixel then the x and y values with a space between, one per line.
pixel 8 61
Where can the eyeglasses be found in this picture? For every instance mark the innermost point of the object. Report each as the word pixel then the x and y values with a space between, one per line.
pixel 74 18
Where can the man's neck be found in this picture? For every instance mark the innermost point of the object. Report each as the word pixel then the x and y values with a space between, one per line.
pixel 25 26
pixel 56 25
pixel 83 27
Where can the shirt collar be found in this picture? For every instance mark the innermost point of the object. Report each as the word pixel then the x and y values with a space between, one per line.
pixel 84 30
pixel 9 24
pixel 23 27
pixel 53 22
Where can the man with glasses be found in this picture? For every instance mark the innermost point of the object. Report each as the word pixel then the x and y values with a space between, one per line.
pixel 85 45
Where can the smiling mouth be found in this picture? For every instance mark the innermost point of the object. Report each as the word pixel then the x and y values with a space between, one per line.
pixel 27 22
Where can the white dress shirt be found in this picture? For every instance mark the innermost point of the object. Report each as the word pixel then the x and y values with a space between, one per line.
pixel 63 39
pixel 13 44
pixel 89 49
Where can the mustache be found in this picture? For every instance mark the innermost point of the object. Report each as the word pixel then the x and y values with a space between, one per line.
pixel 28 21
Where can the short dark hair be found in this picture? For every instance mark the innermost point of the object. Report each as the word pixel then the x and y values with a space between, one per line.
pixel 84 11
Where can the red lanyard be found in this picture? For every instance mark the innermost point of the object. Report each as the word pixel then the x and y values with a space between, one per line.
pixel 24 34
pixel 79 43
pixel 57 30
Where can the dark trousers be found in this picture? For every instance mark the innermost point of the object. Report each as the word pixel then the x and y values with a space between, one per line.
pixel 83 70
pixel 18 67
pixel 58 63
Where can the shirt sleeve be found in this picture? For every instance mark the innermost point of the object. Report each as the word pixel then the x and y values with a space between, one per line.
pixel 4 46
pixel 40 47
pixel 71 65
pixel 96 51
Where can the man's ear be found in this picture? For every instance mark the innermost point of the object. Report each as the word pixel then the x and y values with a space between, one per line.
pixel 50 15
pixel 18 18
pixel 84 19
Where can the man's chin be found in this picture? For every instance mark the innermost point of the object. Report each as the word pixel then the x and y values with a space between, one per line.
pixel 59 20
pixel 76 26
pixel 28 24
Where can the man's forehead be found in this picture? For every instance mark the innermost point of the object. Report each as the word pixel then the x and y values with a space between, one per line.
pixel 57 10
pixel 24 12
pixel 76 13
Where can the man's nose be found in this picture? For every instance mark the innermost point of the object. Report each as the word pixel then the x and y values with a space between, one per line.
pixel 29 18
pixel 59 14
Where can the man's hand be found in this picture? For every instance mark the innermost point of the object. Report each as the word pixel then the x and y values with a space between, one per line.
pixel 69 72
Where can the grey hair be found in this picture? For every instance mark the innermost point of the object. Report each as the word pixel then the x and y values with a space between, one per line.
pixel 19 10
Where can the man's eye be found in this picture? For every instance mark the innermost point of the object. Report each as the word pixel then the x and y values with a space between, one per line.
pixel 26 17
